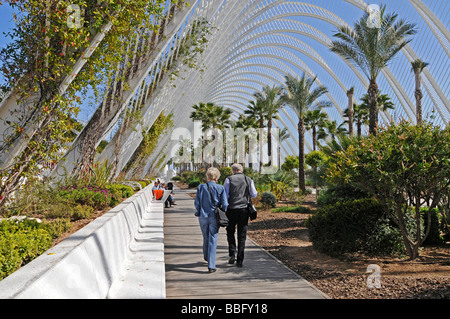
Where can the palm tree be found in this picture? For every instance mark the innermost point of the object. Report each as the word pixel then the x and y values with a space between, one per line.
pixel 360 116
pixel 334 130
pixel 371 49
pixel 202 113
pixel 245 122
pixel 283 135
pixel 271 103
pixel 255 110
pixel 300 95
pixel 315 120
pixel 212 116
pixel 383 101
pixel 417 67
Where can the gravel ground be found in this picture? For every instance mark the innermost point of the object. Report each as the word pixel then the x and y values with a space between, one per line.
pixel 285 236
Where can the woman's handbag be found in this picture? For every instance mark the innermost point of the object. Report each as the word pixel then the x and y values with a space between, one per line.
pixel 221 216
pixel 251 210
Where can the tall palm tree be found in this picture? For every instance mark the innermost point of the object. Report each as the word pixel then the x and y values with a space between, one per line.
pixel 283 135
pixel 372 48
pixel 255 110
pixel 300 95
pixel 212 116
pixel 417 67
pixel 270 100
pixel 315 120
pixel 245 122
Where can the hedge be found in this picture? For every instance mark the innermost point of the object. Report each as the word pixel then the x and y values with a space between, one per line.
pixel 354 226
pixel 21 242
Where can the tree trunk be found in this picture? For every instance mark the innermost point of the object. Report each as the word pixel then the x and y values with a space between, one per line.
pixel 261 135
pixel 301 155
pixel 358 127
pixel 418 95
pixel 269 141
pixel 373 107
pixel 350 111
pixel 314 133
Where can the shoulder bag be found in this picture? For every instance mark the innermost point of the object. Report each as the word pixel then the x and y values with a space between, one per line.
pixel 251 210
pixel 221 216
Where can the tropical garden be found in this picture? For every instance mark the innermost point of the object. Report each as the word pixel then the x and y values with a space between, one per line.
pixel 383 193
pixel 381 190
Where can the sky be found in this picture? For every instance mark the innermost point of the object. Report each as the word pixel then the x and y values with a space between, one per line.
pixel 6 25
pixel 430 52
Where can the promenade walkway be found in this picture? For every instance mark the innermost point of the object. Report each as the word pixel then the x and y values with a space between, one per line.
pixel 262 275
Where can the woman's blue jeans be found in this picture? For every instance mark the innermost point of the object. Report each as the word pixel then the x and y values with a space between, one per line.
pixel 210 231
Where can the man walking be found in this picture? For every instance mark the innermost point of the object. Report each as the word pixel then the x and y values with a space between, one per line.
pixel 238 188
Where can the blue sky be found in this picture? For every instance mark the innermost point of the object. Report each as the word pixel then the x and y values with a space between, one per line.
pixel 6 24
pixel 424 45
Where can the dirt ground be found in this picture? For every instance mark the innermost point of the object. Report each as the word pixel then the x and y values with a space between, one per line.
pixel 285 236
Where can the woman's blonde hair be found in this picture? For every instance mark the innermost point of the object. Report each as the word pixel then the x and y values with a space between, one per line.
pixel 212 174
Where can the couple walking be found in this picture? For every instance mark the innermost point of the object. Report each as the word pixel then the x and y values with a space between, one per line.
pixel 233 197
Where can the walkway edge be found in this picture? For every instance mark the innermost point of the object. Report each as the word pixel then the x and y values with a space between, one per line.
pixel 285 266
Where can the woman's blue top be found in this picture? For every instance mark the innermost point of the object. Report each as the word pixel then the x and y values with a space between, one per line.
pixel 203 205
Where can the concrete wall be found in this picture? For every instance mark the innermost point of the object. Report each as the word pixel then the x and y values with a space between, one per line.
pixel 86 264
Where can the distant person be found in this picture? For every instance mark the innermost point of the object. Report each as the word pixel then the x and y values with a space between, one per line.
pixel 238 188
pixel 169 201
pixel 156 185
pixel 204 210
pixel 156 190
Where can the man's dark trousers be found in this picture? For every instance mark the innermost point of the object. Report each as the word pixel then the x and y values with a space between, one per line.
pixel 237 217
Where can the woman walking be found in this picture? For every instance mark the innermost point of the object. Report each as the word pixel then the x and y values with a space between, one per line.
pixel 204 207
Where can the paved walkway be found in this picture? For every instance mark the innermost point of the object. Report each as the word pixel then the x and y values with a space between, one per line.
pixel 262 276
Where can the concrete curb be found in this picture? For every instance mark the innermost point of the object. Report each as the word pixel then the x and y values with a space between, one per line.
pixel 86 264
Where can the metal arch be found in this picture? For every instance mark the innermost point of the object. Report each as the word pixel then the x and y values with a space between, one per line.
pixel 403 95
pixel 311 53
pixel 209 76
pixel 386 73
pixel 307 71
pixel 433 23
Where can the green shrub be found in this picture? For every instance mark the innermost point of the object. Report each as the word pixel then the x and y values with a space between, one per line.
pixel 354 226
pixel 194 182
pixel 224 173
pixel 294 209
pixel 96 197
pixel 21 242
pixel 58 226
pixel 339 193
pixel 268 199
pixel 82 212
pixel 176 178
pixel 143 183
pixel 119 192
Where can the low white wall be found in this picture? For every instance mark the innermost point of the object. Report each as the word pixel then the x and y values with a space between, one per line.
pixel 86 264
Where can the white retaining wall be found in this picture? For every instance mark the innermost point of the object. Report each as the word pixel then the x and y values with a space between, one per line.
pixel 89 262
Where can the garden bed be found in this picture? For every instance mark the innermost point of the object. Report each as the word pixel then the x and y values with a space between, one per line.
pixel 286 237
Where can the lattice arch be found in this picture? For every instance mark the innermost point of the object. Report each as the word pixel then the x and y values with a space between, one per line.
pixel 258 42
